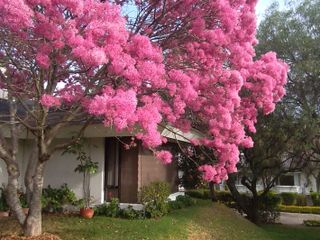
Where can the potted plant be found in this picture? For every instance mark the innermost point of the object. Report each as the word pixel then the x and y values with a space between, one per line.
pixel 4 208
pixel 86 167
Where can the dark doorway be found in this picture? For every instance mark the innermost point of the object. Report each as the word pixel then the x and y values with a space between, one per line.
pixel 121 178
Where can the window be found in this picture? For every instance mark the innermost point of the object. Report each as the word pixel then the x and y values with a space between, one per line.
pixel 112 163
pixel 286 180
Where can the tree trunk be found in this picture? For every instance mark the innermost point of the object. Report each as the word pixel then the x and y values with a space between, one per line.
pixel 212 192
pixel 30 171
pixel 253 211
pixel 33 223
pixel 12 192
pixel 248 205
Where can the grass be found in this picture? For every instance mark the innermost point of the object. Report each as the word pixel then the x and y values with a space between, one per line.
pixel 280 232
pixel 203 221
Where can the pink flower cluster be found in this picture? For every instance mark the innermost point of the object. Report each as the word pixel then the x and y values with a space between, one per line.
pixel 164 156
pixel 189 64
pixel 50 101
pixel 117 107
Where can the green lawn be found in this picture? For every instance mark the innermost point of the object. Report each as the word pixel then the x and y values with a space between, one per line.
pixel 292 232
pixel 203 221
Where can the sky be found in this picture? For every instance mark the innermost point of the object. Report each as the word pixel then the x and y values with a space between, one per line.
pixel 263 5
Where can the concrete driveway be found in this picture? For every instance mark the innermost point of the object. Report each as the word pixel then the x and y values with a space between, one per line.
pixel 296 218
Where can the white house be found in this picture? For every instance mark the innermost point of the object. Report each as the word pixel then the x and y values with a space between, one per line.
pixel 295 182
pixel 122 172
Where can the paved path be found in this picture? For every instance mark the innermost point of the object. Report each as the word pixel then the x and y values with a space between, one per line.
pixel 296 218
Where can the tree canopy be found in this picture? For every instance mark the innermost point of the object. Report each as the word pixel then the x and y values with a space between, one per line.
pixel 180 63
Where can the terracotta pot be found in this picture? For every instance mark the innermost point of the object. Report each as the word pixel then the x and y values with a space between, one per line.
pixel 4 214
pixel 86 212
pixel 25 210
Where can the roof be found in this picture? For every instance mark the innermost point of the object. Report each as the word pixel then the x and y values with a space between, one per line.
pixel 96 128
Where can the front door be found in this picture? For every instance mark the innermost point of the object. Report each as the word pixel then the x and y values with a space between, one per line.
pixel 112 169
pixel 121 178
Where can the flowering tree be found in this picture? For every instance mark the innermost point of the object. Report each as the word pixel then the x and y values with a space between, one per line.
pixel 183 63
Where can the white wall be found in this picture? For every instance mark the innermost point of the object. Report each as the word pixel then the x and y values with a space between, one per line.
pixel 60 168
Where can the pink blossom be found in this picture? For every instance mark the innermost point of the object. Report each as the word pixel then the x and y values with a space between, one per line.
pixel 182 71
pixel 50 101
pixel 164 156
pixel 209 172
pixel 43 60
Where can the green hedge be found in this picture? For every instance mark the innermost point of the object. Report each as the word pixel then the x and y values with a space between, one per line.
pixel 199 193
pixel 301 200
pixel 288 198
pixel 311 223
pixel 222 196
pixel 315 198
pixel 299 209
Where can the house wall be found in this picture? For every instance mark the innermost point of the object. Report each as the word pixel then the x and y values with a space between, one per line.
pixel 60 168
pixel 302 185
pixel 151 170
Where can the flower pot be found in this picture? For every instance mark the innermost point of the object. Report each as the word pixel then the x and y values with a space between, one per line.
pixel 86 212
pixel 25 211
pixel 4 214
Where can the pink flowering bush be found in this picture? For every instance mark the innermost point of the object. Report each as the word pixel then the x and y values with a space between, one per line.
pixel 188 64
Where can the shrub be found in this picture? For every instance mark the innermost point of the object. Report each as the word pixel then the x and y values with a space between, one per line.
pixel 299 209
pixel 187 201
pixel 181 202
pixel 175 205
pixel 288 198
pixel 53 199
pixel 301 200
pixel 154 198
pixel 111 209
pixel 197 193
pixel 311 223
pixel 101 209
pixel 268 207
pixel 224 196
pixel 315 198
pixel 130 213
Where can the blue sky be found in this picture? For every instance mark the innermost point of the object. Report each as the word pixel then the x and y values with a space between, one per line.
pixel 263 5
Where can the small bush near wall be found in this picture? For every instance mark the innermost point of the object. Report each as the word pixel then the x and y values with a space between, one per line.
pixel 315 198
pixel 108 209
pixel 301 200
pixel 130 213
pixel 53 199
pixel 112 209
pixel 154 198
pixel 288 198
